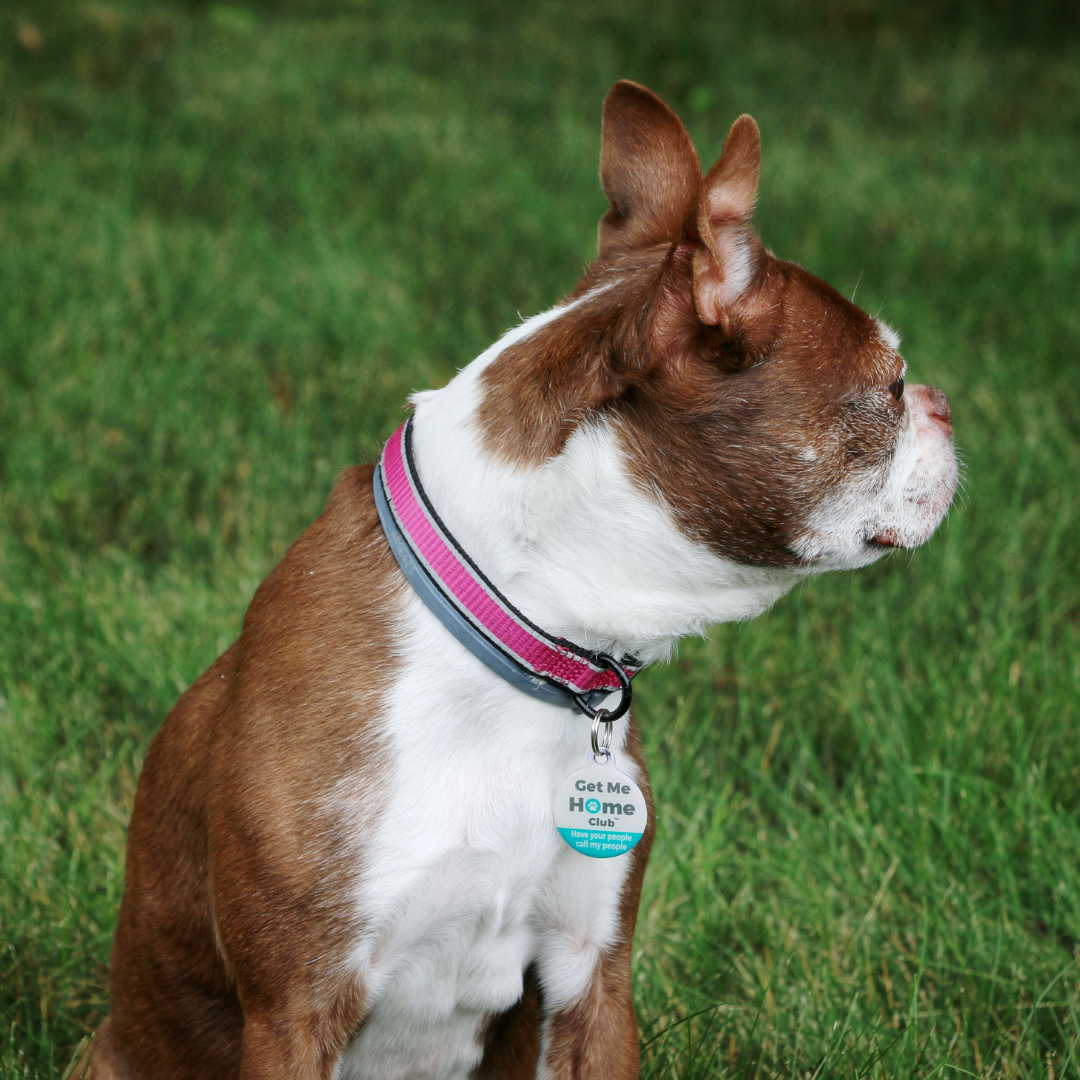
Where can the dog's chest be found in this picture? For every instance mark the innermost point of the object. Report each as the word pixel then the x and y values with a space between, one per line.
pixel 464 881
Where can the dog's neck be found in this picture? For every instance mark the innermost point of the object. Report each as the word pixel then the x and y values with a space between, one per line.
pixel 573 543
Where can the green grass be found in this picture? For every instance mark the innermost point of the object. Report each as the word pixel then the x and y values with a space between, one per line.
pixel 232 238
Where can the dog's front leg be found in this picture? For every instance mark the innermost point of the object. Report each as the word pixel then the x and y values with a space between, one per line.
pixel 282 1043
pixel 595 1037
pixel 589 1030
pixel 271 1053
pixel 275 1050
pixel 286 948
pixel 575 1020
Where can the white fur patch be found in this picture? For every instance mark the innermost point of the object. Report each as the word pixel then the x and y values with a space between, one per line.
pixel 465 882
pixel 736 258
pixel 906 503
pixel 888 335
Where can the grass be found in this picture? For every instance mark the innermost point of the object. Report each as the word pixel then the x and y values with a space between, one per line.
pixel 232 238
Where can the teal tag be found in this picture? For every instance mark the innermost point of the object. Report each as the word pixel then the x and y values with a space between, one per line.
pixel 600 811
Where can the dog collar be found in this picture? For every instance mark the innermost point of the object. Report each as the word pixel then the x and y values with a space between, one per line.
pixel 463 599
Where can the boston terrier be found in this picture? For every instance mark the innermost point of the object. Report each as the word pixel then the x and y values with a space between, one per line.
pixel 398 829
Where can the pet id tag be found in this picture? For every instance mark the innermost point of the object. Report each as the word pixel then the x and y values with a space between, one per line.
pixel 600 811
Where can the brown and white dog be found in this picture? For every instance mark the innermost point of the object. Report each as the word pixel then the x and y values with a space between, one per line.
pixel 342 861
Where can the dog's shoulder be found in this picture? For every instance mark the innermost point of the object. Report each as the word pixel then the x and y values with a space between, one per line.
pixel 336 577
pixel 313 650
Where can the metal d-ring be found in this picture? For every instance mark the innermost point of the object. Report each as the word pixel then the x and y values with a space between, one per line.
pixel 601 747
pixel 620 710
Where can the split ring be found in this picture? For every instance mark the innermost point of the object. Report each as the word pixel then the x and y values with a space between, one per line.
pixel 601 746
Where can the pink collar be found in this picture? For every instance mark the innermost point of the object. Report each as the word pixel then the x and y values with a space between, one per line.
pixel 473 610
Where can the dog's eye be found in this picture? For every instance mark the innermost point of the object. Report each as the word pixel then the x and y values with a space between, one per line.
pixel 897 388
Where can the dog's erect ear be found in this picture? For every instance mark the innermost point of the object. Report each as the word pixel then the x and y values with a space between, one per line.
pixel 648 168
pixel 726 263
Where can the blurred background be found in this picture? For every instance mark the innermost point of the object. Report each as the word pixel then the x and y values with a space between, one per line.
pixel 233 237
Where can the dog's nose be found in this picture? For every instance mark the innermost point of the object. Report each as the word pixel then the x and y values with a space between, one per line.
pixel 936 404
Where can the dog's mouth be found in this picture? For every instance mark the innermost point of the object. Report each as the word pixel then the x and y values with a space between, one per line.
pixel 886 539
pixel 891 538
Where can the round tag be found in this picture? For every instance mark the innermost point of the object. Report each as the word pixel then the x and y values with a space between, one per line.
pixel 600 811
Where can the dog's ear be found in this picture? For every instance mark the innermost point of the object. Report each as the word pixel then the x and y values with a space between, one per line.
pixel 648 168
pixel 726 262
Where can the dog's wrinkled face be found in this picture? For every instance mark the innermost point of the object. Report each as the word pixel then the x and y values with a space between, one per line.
pixel 768 413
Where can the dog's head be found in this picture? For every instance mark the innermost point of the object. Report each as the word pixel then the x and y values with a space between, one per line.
pixel 767 412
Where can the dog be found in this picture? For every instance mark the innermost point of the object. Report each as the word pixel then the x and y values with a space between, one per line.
pixel 351 853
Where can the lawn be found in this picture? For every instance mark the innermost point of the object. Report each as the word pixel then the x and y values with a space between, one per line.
pixel 233 238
